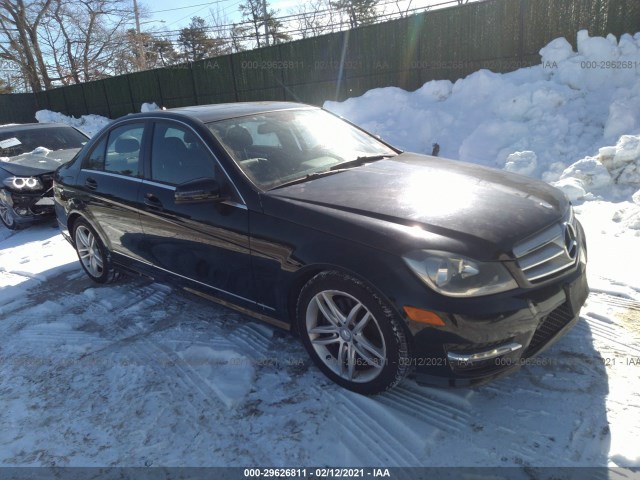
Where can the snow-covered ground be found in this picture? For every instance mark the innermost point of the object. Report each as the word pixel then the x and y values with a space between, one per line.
pixel 142 374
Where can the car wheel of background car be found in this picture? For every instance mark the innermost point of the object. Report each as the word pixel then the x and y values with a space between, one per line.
pixel 92 253
pixel 7 216
pixel 352 334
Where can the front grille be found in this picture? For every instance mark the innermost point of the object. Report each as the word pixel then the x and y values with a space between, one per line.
pixel 549 252
pixel 548 328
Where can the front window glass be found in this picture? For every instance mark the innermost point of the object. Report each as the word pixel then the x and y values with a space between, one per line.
pixel 274 148
pixel 177 156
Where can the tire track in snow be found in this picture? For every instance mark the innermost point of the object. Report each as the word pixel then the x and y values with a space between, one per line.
pixel 611 332
pixel 446 411
pixel 252 337
pixel 185 386
pixel 615 300
pixel 194 390
pixel 385 439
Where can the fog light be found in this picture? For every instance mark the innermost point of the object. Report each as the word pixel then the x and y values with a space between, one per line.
pixel 423 316
pixel 21 211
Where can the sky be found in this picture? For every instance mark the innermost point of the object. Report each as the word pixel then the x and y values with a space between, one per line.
pixel 175 14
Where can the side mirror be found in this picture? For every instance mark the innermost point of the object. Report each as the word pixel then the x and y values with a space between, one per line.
pixel 198 191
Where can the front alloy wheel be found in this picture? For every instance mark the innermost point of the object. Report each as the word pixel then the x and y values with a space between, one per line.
pixel 92 253
pixel 352 334
pixel 7 216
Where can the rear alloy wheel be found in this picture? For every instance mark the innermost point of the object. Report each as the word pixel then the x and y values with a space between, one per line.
pixel 92 253
pixel 352 334
pixel 7 216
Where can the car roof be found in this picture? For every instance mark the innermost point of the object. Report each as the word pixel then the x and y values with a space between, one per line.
pixel 224 111
pixel 18 127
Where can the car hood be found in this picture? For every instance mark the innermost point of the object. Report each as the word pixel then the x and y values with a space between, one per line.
pixel 449 198
pixel 37 162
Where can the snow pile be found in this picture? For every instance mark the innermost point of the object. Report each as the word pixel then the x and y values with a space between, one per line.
pixel 90 124
pixel 618 164
pixel 149 107
pixel 536 121
pixel 623 160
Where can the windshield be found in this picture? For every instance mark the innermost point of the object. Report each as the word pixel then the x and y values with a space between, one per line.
pixel 274 148
pixel 17 142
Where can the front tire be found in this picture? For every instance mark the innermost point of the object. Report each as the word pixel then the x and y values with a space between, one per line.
pixel 352 334
pixel 7 216
pixel 92 253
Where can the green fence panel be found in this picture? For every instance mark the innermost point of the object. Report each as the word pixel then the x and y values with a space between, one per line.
pixel 145 88
pixel 95 96
pixel 448 43
pixel 74 98
pixel 312 60
pixel 229 97
pixel 624 17
pixel 17 108
pixel 41 100
pixel 315 93
pixel 57 100
pixel 213 80
pixel 262 94
pixel 176 86
pixel 258 69
pixel 118 94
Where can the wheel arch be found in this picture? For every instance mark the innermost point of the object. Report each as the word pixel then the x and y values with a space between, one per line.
pixel 73 218
pixel 303 276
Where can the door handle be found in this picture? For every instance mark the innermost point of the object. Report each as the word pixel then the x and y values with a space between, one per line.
pixel 150 200
pixel 91 184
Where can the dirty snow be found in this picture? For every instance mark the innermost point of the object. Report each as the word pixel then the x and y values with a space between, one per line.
pixel 142 374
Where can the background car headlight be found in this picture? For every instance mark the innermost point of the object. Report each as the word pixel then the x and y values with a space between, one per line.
pixel 459 276
pixel 23 183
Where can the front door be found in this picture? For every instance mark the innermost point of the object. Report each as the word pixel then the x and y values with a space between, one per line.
pixel 204 242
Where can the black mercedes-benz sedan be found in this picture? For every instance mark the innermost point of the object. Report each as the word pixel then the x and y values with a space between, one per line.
pixel 29 154
pixel 384 262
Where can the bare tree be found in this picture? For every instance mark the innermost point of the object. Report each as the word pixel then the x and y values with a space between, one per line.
pixel 84 35
pixel 313 18
pixel 57 42
pixel 19 24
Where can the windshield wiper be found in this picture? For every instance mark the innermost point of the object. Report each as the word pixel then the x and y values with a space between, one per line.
pixel 359 161
pixel 306 178
pixel 340 167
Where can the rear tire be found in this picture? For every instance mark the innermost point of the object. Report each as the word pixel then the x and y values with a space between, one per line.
pixel 352 334
pixel 93 255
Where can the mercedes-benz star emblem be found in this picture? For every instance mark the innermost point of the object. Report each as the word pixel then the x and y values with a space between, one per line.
pixel 570 242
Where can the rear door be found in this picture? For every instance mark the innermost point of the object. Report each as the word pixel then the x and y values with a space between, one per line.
pixel 110 177
pixel 204 242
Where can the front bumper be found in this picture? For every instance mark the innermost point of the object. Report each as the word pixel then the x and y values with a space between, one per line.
pixel 474 348
pixel 28 207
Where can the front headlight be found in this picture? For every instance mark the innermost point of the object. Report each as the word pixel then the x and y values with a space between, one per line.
pixel 458 276
pixel 23 183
